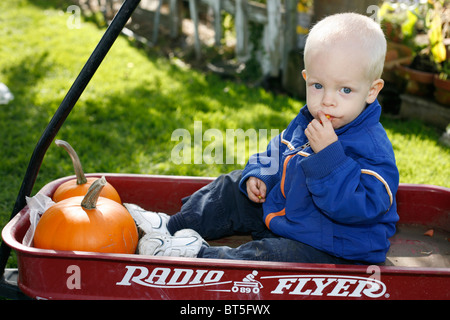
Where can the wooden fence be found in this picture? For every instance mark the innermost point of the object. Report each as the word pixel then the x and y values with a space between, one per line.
pixel 284 25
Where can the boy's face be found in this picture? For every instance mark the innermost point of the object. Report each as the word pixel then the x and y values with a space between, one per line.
pixel 337 83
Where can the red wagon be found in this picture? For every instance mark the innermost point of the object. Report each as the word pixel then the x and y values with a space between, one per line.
pixel 418 266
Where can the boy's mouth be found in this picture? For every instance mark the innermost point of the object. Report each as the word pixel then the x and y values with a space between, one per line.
pixel 329 117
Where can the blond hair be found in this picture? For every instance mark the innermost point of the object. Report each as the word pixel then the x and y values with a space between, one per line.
pixel 343 26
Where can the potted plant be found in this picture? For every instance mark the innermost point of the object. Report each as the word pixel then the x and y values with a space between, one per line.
pixel 421 72
pixel 441 56
pixel 442 85
pixel 398 27
pixel 419 75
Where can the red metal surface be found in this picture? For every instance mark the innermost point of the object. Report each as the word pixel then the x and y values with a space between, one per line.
pixel 52 274
pixel 422 204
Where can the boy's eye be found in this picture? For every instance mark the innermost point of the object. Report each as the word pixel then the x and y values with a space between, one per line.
pixel 346 90
pixel 318 86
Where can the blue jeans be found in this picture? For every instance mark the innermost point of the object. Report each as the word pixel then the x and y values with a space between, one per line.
pixel 220 209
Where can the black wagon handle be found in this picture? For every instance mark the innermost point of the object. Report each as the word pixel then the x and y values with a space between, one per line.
pixel 63 111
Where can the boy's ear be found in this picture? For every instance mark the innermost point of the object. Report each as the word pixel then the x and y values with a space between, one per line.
pixel 304 74
pixel 374 90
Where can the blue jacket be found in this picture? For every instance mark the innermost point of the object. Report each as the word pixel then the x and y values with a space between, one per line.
pixel 340 200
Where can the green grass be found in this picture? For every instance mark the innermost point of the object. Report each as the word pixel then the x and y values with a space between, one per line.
pixel 124 120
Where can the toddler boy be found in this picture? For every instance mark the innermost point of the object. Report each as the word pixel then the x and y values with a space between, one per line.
pixel 332 199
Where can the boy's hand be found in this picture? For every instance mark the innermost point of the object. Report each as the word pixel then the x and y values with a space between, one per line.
pixel 320 133
pixel 256 190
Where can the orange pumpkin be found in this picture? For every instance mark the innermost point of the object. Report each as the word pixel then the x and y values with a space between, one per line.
pixel 80 185
pixel 89 223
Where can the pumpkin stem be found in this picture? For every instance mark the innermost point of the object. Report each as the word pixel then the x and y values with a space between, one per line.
pixel 91 197
pixel 81 178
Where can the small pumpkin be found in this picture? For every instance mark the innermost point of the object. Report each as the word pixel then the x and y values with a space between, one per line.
pixel 89 223
pixel 80 185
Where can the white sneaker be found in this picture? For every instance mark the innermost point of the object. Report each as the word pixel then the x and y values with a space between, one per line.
pixel 184 243
pixel 148 221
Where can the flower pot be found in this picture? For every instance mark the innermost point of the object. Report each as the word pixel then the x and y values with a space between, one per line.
pixel 419 83
pixel 442 91
pixel 397 54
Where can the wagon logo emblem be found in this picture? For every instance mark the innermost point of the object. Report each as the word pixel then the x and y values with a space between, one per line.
pixel 170 278
pixel 325 285
pixel 329 285
pixel 248 284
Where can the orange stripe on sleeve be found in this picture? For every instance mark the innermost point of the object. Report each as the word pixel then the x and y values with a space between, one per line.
pixel 284 173
pixel 270 216
pixel 380 178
